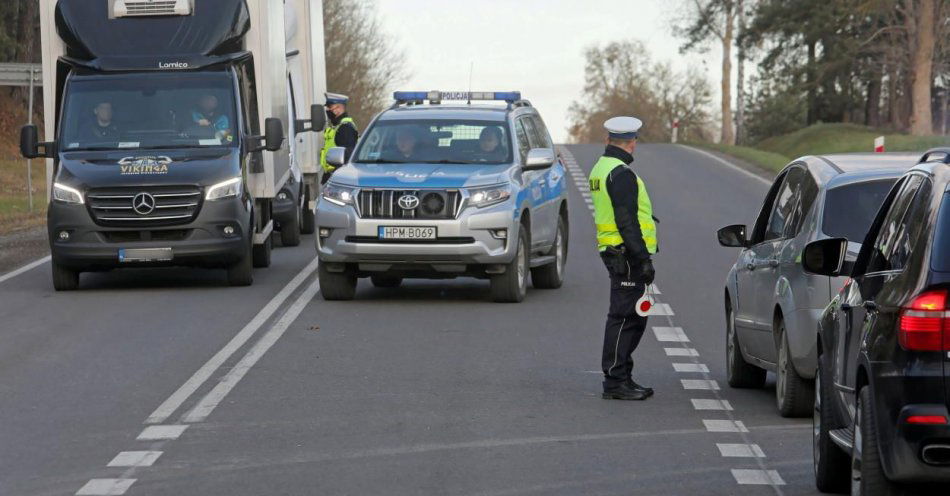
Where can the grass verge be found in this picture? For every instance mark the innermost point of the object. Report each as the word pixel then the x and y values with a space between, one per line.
pixel 15 211
pixel 821 139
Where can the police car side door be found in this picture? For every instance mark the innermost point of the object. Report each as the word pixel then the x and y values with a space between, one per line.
pixel 549 182
pixel 531 182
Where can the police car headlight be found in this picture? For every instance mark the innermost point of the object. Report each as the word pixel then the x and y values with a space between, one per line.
pixel 225 189
pixel 485 197
pixel 339 195
pixel 65 194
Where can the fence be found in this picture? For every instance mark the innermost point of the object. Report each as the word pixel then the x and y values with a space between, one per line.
pixel 24 76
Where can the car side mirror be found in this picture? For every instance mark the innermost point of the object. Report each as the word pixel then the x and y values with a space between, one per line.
pixel 539 158
pixel 336 156
pixel 316 122
pixel 825 257
pixel 733 236
pixel 30 147
pixel 273 134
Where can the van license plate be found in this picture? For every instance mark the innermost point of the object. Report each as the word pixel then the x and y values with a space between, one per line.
pixel 390 232
pixel 145 255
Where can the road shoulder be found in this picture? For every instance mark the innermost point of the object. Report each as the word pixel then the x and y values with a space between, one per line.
pixel 21 247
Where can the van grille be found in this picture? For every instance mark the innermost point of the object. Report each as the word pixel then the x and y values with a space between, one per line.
pixel 152 7
pixel 115 207
pixel 433 204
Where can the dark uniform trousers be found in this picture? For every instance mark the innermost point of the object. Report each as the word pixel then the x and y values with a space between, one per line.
pixel 624 327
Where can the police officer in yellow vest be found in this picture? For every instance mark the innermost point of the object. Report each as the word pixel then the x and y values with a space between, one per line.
pixel 340 131
pixel 626 238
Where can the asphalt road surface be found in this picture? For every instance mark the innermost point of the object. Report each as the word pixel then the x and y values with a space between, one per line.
pixel 168 382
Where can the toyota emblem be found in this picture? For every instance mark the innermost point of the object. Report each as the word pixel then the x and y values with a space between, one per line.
pixel 408 202
pixel 143 203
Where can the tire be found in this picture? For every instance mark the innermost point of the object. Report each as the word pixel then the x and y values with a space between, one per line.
pixel 830 461
pixel 794 395
pixel 64 278
pixel 740 374
pixel 241 273
pixel 551 276
pixel 386 281
pixel 867 473
pixel 261 253
pixel 290 231
pixel 512 286
pixel 337 286
pixel 308 220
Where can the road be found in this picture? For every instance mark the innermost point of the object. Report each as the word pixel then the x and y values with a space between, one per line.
pixel 168 382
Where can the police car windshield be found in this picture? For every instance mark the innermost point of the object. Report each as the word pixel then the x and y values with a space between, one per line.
pixel 436 141
pixel 130 111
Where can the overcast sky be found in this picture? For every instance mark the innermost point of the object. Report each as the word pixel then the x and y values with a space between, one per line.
pixel 535 46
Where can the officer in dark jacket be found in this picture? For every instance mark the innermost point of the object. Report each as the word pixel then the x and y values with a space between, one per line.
pixel 626 238
pixel 340 131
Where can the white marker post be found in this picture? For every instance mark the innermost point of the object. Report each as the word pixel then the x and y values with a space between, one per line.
pixel 676 128
pixel 879 144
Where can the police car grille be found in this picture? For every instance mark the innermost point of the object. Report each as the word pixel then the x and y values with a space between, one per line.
pixel 173 205
pixel 433 204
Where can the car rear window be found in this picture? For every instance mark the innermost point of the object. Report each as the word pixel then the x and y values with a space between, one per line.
pixel 850 209
pixel 941 251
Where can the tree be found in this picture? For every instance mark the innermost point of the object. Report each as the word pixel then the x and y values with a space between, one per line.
pixel 715 19
pixel 362 61
pixel 921 32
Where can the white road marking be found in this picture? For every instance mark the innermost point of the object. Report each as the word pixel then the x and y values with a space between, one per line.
pixel 25 268
pixel 758 477
pixel 670 335
pixel 177 398
pixel 661 309
pixel 161 432
pixel 105 487
pixel 700 384
pixel 711 404
pixel 739 450
pixel 135 459
pixel 725 426
pixel 211 400
pixel 681 352
pixel 728 164
pixel 654 290
pixel 690 367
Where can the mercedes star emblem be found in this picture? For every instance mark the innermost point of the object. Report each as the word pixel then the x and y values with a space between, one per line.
pixel 143 203
pixel 408 202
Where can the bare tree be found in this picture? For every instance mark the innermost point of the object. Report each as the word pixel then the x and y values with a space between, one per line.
pixel 919 16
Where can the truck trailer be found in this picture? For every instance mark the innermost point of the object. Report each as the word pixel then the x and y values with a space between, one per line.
pixel 165 131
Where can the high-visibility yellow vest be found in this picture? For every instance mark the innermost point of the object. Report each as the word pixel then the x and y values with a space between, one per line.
pixel 329 141
pixel 607 232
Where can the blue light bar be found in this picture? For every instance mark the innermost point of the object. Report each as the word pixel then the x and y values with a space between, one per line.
pixel 438 96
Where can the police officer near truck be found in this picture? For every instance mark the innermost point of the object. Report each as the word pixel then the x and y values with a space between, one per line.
pixel 626 238
pixel 340 131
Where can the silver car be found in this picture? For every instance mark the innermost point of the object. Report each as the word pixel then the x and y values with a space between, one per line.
pixel 772 306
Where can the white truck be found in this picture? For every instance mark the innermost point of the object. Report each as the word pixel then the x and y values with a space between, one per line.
pixel 165 129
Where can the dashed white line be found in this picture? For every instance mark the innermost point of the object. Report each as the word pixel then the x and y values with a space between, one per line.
pixel 703 404
pixel 739 450
pixel 25 268
pixel 700 384
pixel 135 459
pixel 758 477
pixel 690 367
pixel 105 487
pixel 725 425
pixel 161 432
pixel 681 352
pixel 670 335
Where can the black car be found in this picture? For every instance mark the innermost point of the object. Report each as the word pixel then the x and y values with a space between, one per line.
pixel 881 420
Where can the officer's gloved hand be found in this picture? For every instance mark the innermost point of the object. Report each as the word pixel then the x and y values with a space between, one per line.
pixel 647 272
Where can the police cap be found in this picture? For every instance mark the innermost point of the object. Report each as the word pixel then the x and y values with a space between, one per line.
pixel 623 127
pixel 333 98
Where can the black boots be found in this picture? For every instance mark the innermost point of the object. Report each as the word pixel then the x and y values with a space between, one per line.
pixel 633 385
pixel 623 392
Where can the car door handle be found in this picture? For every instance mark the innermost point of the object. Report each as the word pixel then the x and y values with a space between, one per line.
pixel 750 266
pixel 870 306
pixel 773 263
pixel 846 307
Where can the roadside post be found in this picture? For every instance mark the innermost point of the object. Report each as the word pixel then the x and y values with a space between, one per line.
pixel 23 75
pixel 676 128
pixel 879 144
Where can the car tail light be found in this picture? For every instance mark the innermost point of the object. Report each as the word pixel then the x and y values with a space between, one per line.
pixel 927 419
pixel 925 323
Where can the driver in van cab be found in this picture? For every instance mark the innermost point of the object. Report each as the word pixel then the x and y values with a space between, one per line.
pixel 207 115
pixel 102 128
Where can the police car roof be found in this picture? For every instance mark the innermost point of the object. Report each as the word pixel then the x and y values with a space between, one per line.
pixel 449 111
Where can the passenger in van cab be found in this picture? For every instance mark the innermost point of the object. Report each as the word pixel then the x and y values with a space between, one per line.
pixel 207 115
pixel 102 128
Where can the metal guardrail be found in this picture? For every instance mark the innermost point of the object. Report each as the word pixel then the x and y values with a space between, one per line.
pixel 16 74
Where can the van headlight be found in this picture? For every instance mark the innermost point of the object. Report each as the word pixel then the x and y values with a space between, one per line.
pixel 339 195
pixel 66 194
pixel 486 197
pixel 225 189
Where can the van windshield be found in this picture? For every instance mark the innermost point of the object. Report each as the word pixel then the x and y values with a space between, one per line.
pixel 850 209
pixel 157 110
pixel 442 141
pixel 941 249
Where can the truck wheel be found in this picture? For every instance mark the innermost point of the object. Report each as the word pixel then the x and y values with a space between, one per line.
pixel 241 273
pixel 262 253
pixel 386 281
pixel 740 374
pixel 793 393
pixel 290 231
pixel 830 461
pixel 308 221
pixel 511 286
pixel 336 286
pixel 551 276
pixel 64 278
pixel 867 473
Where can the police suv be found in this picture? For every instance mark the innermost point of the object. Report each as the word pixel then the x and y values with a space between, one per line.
pixel 438 190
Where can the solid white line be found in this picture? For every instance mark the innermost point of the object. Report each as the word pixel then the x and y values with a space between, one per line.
pixel 211 400
pixel 725 426
pixel 728 164
pixel 700 384
pixel 758 477
pixel 687 352
pixel 25 268
pixel 161 432
pixel 105 487
pixel 670 335
pixel 711 404
pixel 135 459
pixel 690 367
pixel 204 373
pixel 730 450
